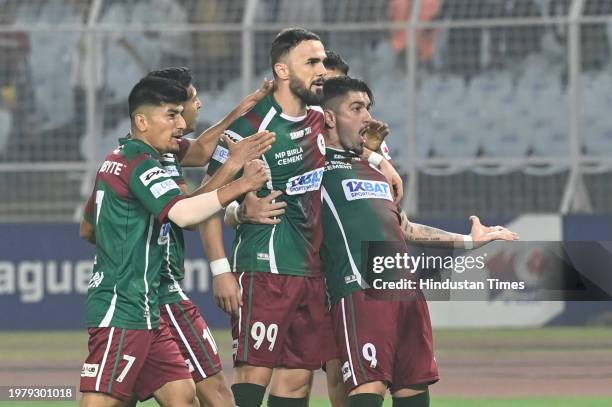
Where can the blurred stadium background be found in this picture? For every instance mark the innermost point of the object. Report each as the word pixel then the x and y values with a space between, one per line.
pixel 497 107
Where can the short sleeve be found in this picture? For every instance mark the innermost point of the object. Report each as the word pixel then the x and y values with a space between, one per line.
pixel 154 188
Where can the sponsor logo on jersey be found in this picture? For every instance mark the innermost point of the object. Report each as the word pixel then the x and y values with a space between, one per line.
pixel 221 154
pixel 308 181
pixel 346 371
pixel 172 170
pixel 363 189
pixel 164 234
pixel 174 288
pixel 294 135
pixel 95 280
pixel 90 370
pixel 161 188
pixel 321 143
pixel 350 279
pixel 263 256
pixel 152 174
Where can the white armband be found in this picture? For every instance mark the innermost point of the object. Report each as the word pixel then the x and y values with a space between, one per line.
pixel 468 242
pixel 375 159
pixel 220 266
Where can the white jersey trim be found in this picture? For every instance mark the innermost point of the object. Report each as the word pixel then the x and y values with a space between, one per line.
pixel 293 118
pixel 146 296
pixel 180 289
pixel 108 317
pixel 185 341
pixel 108 345
pixel 271 253
pixel 329 202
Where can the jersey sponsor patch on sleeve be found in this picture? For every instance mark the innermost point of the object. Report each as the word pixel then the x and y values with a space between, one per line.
pixel 172 170
pixel 306 182
pixel 363 189
pixel 221 154
pixel 152 174
pixel 162 187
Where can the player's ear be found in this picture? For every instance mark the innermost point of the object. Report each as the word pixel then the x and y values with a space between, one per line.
pixel 330 119
pixel 282 70
pixel 139 122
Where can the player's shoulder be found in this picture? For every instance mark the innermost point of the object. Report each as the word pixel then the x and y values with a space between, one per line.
pixel 251 121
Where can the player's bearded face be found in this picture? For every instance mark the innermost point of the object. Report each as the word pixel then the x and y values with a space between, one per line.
pixel 304 92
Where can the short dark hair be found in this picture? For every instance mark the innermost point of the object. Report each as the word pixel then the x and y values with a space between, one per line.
pixel 180 74
pixel 335 61
pixel 288 39
pixel 155 91
pixel 341 86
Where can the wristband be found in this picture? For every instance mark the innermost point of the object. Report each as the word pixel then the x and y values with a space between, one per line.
pixel 375 159
pixel 220 266
pixel 231 215
pixel 468 242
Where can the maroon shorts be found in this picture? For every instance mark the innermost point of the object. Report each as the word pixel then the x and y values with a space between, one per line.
pixel 280 321
pixel 389 341
pixel 193 338
pixel 123 362
pixel 329 349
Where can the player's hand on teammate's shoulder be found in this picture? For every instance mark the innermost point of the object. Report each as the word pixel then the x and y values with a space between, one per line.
pixel 249 148
pixel 394 180
pixel 482 234
pixel 255 175
pixel 375 134
pixel 227 293
pixel 264 210
pixel 252 99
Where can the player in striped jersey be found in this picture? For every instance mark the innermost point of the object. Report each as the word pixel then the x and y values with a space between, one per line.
pixel 130 351
pixel 383 344
pixel 187 326
pixel 277 264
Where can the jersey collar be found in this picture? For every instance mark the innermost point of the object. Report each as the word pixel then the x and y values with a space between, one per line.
pixel 143 146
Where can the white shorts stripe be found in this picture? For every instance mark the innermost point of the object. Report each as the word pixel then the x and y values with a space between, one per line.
pixel 346 339
pixel 185 341
pixel 240 308
pixel 108 345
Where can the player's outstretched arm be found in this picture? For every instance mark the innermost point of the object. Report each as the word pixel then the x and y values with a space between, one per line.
pixel 430 236
pixel 201 205
pixel 202 148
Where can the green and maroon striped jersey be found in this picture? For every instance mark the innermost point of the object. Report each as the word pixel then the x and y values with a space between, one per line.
pixel 357 206
pixel 128 208
pixel 172 269
pixel 295 164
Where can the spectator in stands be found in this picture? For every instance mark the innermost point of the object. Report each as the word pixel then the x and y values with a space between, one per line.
pixel 401 10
